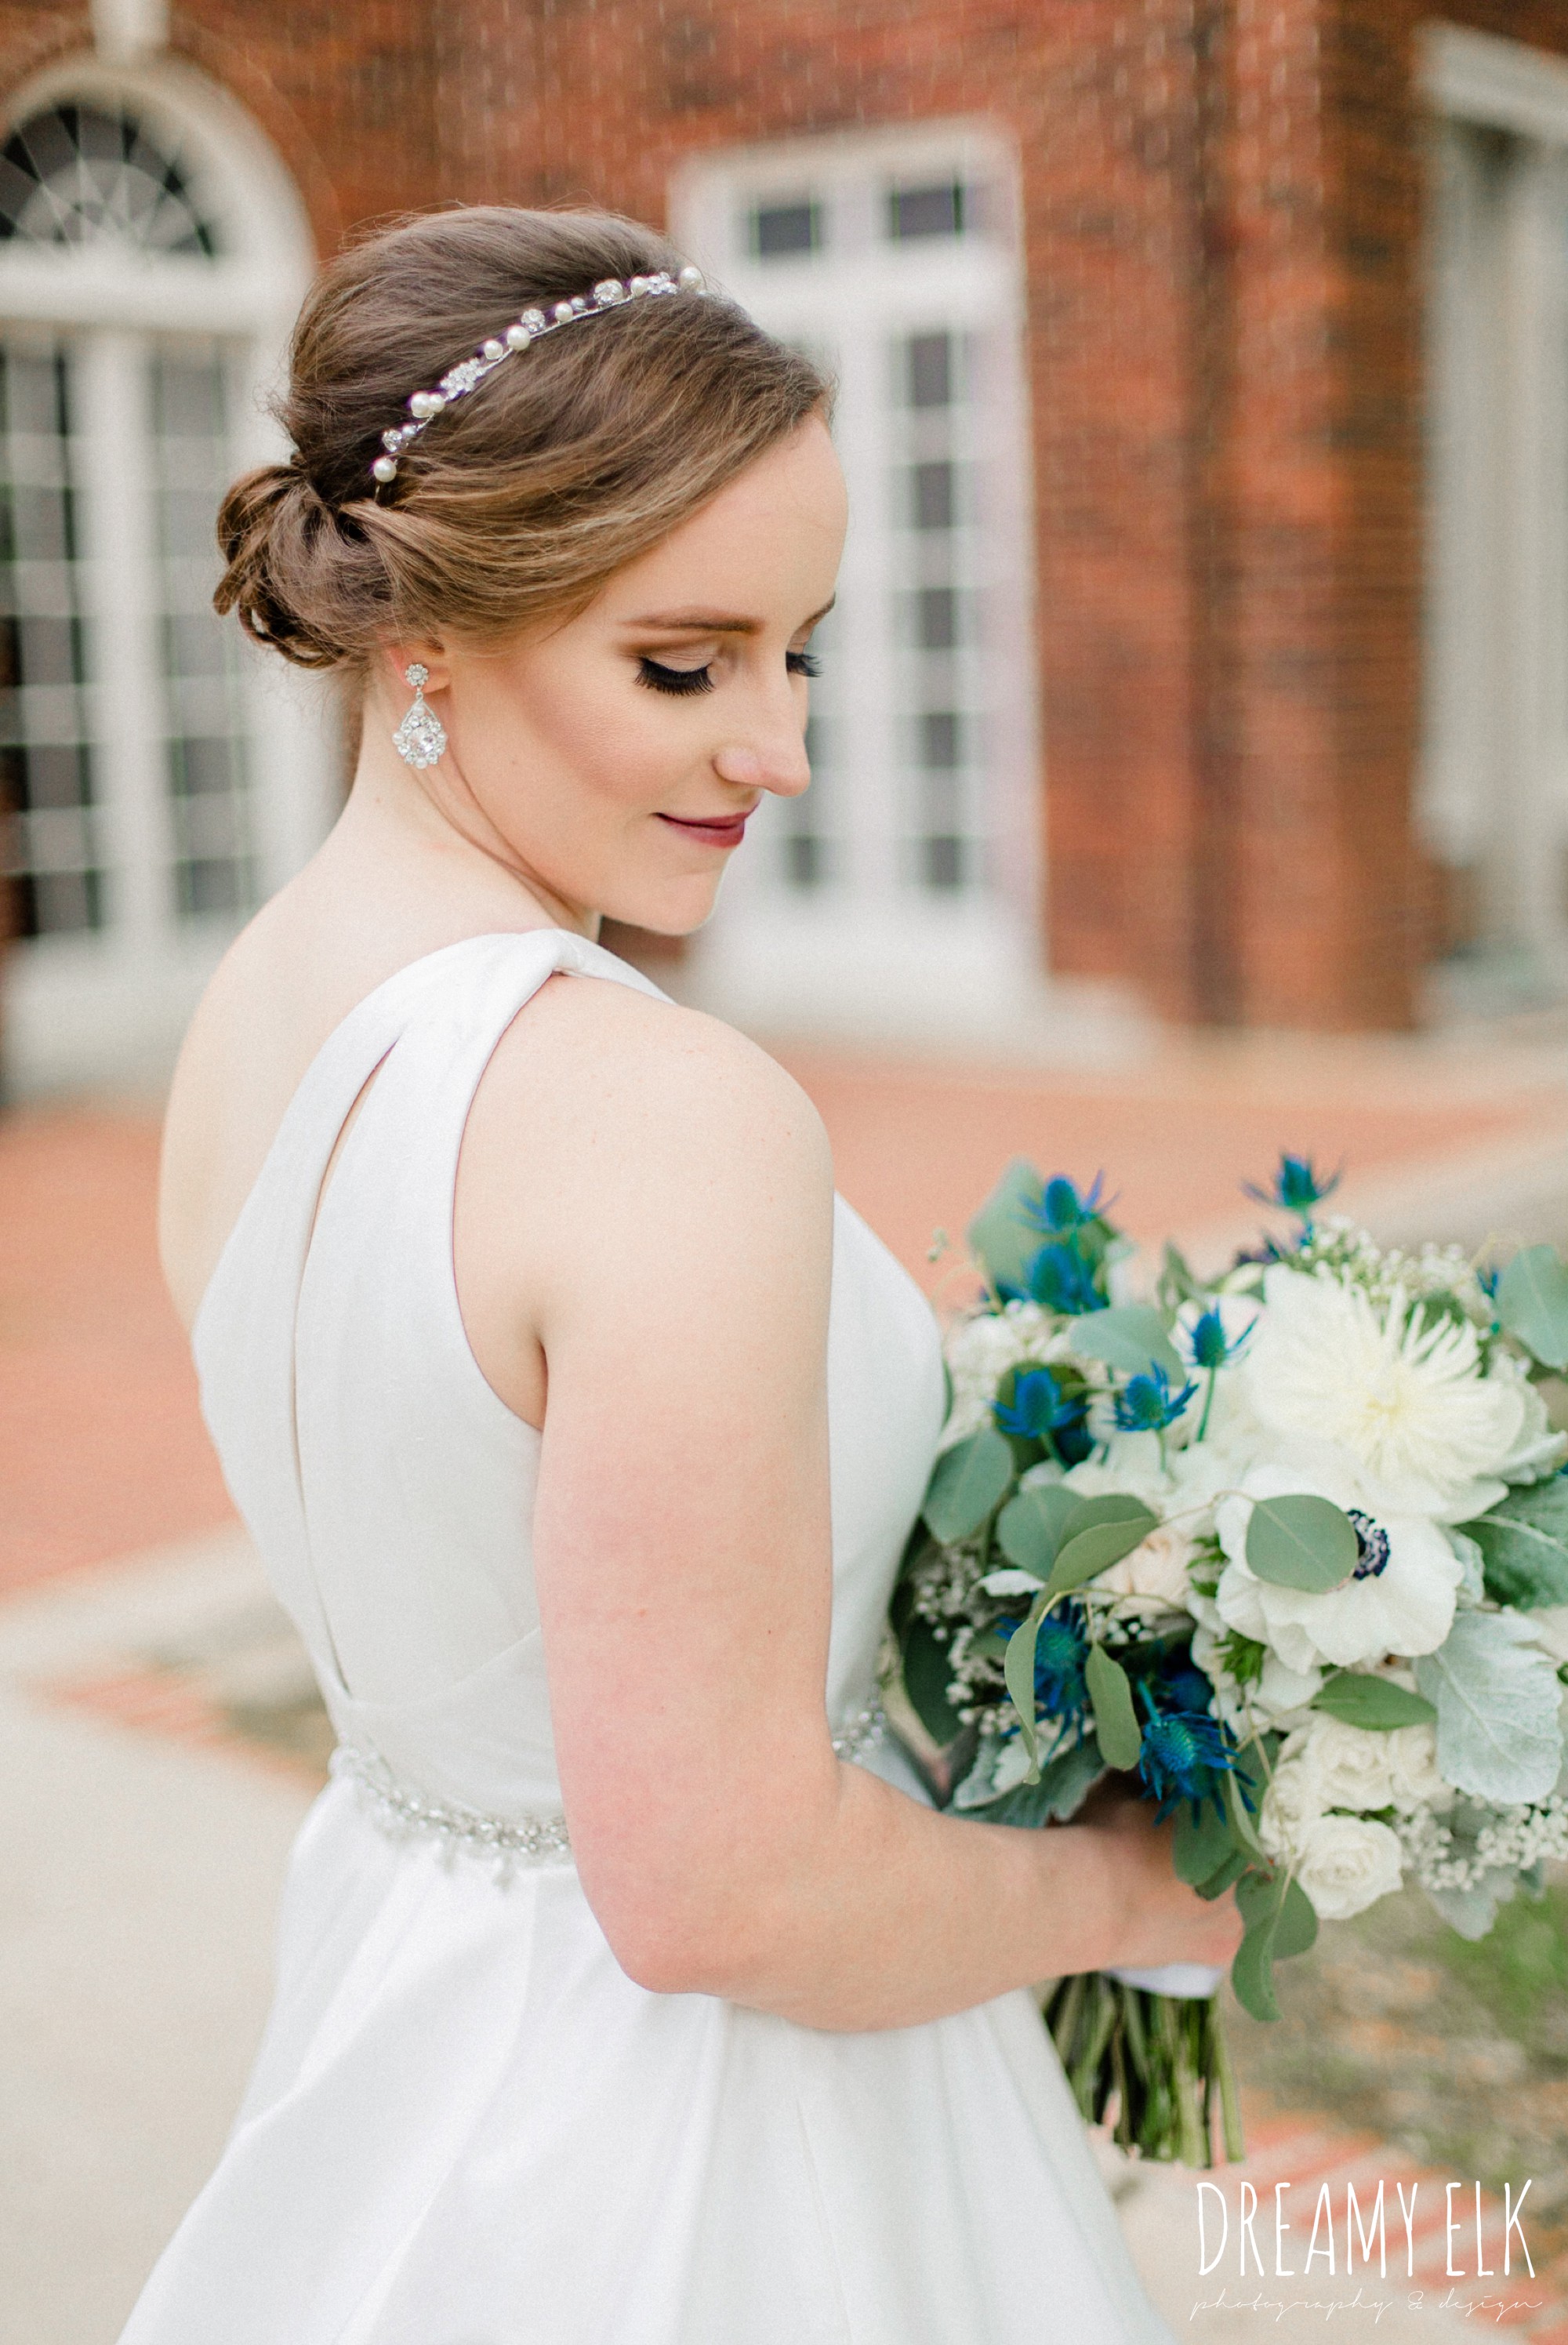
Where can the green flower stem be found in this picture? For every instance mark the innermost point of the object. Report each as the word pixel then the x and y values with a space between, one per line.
pixel 1153 2065
pixel 1208 1402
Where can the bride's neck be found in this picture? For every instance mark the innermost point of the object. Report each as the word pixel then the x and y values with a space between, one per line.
pixel 429 831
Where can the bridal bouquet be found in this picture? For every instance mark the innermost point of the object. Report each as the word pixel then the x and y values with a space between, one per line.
pixel 1289 1548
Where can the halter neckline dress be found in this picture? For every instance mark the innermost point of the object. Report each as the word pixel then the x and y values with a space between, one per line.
pixel 466 2126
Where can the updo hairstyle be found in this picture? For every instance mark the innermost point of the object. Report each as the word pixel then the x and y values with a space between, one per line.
pixel 517 503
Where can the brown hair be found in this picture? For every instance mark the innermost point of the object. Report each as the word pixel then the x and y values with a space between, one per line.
pixel 573 458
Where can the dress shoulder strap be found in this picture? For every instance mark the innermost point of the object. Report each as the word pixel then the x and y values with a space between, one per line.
pixel 318 1303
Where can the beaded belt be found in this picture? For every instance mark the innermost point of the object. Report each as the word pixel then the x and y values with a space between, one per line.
pixel 402 1812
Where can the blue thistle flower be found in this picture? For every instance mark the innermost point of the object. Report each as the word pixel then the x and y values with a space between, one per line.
pixel 1145 1403
pixel 1060 1209
pixel 1061 1651
pixel 1186 1756
pixel 1036 1410
pixel 1210 1346
pixel 1296 1187
pixel 1060 1280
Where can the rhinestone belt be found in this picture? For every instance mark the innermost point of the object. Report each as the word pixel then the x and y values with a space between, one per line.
pixel 404 1812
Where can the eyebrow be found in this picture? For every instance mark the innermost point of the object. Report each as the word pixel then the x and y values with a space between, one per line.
pixel 712 623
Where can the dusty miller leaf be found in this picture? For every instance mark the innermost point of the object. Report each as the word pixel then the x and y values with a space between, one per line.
pixel 1498 1736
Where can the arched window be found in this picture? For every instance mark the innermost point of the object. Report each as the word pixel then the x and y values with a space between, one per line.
pixel 157 782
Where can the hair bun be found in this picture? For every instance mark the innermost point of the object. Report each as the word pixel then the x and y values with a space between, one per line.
pixel 284 547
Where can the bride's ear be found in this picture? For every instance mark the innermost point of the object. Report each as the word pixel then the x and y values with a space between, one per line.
pixel 394 660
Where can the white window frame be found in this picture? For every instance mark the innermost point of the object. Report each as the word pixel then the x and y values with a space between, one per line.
pixel 110 1005
pixel 1494 776
pixel 885 954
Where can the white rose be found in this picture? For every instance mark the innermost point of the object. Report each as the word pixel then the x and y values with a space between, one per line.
pixel 1405 1607
pixel 1414 1779
pixel 1347 1864
pixel 1155 1572
pixel 1351 1764
pixel 1290 1806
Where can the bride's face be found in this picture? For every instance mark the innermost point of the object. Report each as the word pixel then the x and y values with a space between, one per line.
pixel 612 761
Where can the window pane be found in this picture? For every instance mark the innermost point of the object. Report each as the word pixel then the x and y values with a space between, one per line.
pixel 215 861
pixel 930 361
pixel 780 230
pixel 46 758
pixel 933 495
pixel 926 211
pixel 935 618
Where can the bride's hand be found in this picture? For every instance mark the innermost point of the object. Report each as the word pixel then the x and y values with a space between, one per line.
pixel 1163 1921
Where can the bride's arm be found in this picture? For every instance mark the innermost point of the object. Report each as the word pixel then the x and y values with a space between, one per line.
pixel 652 1197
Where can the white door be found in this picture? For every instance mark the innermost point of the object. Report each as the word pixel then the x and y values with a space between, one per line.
pixel 904 888
pixel 156 781
pixel 1494 782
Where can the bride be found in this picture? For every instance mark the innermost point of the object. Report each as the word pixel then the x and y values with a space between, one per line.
pixel 630 1992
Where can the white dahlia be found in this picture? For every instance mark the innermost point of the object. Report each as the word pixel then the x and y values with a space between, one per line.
pixel 1403 1395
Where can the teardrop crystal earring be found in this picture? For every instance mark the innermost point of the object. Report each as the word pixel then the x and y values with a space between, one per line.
pixel 421 738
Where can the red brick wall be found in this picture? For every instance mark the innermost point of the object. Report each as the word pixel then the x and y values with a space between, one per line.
pixel 1221 219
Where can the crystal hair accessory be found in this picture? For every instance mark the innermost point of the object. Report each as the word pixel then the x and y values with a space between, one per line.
pixel 421 738
pixel 609 293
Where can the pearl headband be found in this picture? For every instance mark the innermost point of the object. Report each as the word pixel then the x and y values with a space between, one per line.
pixel 609 293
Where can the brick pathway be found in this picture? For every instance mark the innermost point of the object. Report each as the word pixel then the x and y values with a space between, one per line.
pixel 102 1449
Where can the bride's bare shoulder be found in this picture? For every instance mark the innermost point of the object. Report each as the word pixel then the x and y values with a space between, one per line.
pixel 595 1056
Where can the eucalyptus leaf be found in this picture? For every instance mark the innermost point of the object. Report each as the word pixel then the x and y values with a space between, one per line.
pixel 1066 1782
pixel 1005 1241
pixel 1129 1337
pixel 1297 1927
pixel 1030 1527
pixel 1241 1823
pixel 1103 1531
pixel 1019 1669
pixel 1224 1876
pixel 1497 1696
pixel 1115 1720
pixel 1301 1541
pixel 1252 1972
pixel 1524 1543
pixel 969 1481
pixel 1202 1842
pixel 1372 1703
pixel 1532 1303
pixel 1176 1275
pixel 928 1673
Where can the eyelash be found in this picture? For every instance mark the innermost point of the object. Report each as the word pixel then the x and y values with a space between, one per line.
pixel 679 682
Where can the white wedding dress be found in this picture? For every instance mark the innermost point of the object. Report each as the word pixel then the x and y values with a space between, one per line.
pixel 466 2126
